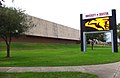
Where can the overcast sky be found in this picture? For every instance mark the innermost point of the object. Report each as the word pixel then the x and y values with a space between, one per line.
pixel 65 12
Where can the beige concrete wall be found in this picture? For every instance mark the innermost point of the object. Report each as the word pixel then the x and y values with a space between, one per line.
pixel 51 29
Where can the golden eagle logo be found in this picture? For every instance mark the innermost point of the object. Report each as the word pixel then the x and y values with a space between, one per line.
pixel 98 23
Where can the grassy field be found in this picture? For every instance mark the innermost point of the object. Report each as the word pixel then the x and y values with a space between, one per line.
pixel 47 75
pixel 36 54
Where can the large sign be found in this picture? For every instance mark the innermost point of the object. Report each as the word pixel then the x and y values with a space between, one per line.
pixel 99 22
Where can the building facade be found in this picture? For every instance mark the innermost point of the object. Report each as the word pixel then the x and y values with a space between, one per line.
pixel 49 32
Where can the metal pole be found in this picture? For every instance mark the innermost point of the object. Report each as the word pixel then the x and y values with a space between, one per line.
pixel 84 42
pixel 112 41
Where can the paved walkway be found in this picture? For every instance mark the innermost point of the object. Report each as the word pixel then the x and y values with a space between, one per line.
pixel 103 71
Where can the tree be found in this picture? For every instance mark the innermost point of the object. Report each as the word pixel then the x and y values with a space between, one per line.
pixel 3 1
pixel 118 30
pixel 13 23
pixel 98 36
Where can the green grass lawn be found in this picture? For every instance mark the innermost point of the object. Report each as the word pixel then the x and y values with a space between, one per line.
pixel 36 54
pixel 47 75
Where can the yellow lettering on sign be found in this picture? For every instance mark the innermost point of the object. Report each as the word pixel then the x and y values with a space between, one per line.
pixel 99 23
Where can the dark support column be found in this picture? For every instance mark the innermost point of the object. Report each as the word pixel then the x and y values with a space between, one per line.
pixel 114 28
pixel 81 31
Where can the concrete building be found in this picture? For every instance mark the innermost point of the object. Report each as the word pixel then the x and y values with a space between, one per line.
pixel 49 32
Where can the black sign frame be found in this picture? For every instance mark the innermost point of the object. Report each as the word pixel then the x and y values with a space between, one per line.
pixel 112 25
